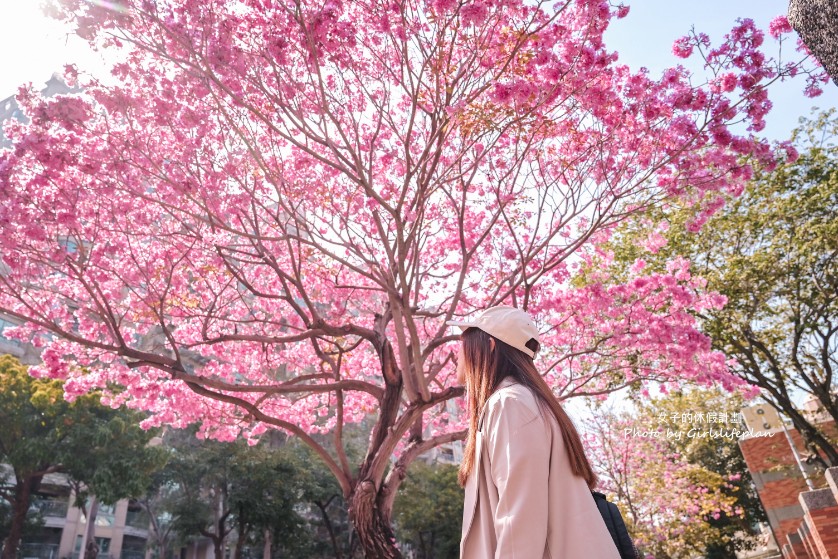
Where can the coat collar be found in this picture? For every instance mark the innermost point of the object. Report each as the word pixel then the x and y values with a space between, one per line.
pixel 505 383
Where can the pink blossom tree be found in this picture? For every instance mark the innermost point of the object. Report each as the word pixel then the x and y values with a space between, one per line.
pixel 265 217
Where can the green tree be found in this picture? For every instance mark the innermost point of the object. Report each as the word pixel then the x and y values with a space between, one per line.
pixel 158 503
pixel 215 489
pixel 266 492
pixel 328 526
pixel 102 451
pixel 34 520
pixel 429 510
pixel 772 253
pixel 274 499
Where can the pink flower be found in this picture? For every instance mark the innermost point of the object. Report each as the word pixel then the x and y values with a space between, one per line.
pixel 682 48
pixel 501 93
pixel 622 11
pixel 721 135
pixel 728 81
pixel 812 90
pixel 778 26
pixel 444 5
pixel 522 91
pixel 474 13
pixel 654 242
pixel 792 154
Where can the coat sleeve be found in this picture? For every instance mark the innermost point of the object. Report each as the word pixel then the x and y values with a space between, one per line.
pixel 519 452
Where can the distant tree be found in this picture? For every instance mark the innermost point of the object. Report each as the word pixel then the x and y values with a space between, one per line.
pixel 34 522
pixel 429 511
pixel 773 254
pixel 5 513
pixel 101 450
pixel 691 409
pixel 678 497
pixel 157 503
pixel 216 489
pixel 331 533
pixel 264 498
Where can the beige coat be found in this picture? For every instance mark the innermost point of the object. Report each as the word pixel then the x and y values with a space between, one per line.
pixel 522 501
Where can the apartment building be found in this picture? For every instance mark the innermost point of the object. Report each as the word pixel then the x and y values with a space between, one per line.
pixel 121 531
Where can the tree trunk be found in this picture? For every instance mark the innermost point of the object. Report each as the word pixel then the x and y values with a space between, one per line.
pixel 817 444
pixel 266 550
pixel 219 537
pixel 218 547
pixel 161 534
pixel 374 531
pixel 23 497
pixel 366 511
pixel 89 548
pixel 821 448
pixel 329 527
pixel 240 541
pixel 221 531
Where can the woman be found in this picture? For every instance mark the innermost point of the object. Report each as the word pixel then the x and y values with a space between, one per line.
pixel 528 482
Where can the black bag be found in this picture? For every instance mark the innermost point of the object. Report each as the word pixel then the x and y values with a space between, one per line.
pixel 614 521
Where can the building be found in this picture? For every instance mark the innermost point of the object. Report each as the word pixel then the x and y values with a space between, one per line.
pixel 801 502
pixel 121 531
pixel 25 353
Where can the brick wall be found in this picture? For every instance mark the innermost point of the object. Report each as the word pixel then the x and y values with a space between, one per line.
pixel 816 533
pixel 820 508
pixel 825 527
pixel 795 549
pixel 804 522
pixel 808 544
pixel 767 453
pixel 782 492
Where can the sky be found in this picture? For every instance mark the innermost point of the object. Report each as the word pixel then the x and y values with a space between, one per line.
pixel 645 37
pixel 34 46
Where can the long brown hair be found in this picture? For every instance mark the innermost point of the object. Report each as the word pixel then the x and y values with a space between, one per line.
pixel 485 368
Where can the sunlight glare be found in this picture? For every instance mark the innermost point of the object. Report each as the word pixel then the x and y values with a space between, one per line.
pixel 115 6
pixel 34 46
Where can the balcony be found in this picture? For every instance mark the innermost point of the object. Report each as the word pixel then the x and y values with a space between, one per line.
pixel 101 555
pixel 38 551
pixel 137 519
pixel 137 524
pixel 49 507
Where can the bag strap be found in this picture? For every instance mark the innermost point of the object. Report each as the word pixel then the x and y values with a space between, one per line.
pixel 607 517
pixel 616 526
